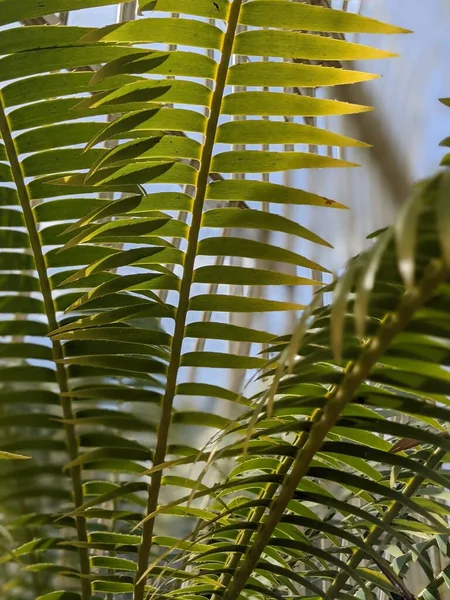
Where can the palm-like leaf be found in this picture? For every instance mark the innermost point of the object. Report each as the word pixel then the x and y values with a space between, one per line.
pixel 110 350
pixel 308 459
pixel 32 388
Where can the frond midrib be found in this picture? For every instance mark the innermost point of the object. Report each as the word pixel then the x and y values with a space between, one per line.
pixel 185 289
pixel 392 513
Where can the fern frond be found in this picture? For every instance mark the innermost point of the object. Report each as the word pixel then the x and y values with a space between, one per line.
pixel 115 266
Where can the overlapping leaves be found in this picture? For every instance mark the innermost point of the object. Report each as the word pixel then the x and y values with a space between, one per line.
pixel 89 265
pixel 178 159
pixel 343 480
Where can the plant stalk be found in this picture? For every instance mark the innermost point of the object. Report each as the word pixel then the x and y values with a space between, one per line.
pixel 185 289
pixel 57 349
pixel 258 513
pixel 392 513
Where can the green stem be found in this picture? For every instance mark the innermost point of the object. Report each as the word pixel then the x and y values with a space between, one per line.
pixel 57 349
pixel 185 289
pixel 394 510
pixel 338 399
pixel 258 513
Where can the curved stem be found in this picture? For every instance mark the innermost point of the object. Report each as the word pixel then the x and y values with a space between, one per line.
pixel 338 399
pixel 185 289
pixel 394 510
pixel 57 349
pixel 258 513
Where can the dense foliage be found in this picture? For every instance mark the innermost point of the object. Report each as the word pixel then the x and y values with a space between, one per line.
pixel 117 185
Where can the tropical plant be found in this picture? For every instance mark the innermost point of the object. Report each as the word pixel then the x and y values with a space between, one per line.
pixel 102 289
